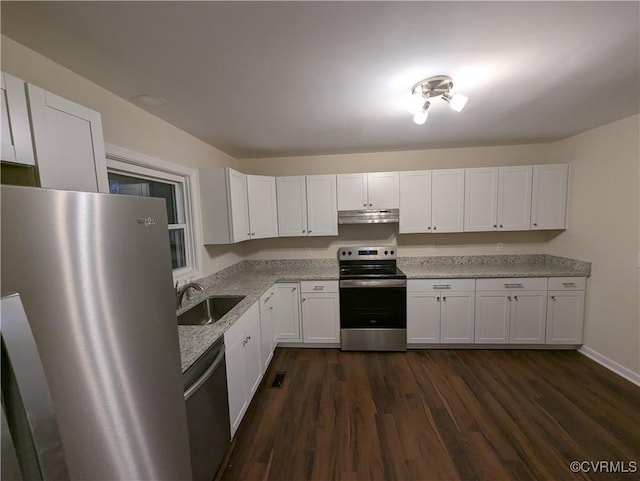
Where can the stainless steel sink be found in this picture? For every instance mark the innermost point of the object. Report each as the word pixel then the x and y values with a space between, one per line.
pixel 208 311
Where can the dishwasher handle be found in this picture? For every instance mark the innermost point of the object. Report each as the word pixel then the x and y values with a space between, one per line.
pixel 205 376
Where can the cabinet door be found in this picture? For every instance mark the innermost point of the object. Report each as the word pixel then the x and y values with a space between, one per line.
pixel 322 208
pixel 287 306
pixel 384 190
pixel 514 198
pixel 321 317
pixel 267 328
pixel 253 349
pixel 549 199
pixel 480 199
pixel 457 317
pixel 423 318
pixel 236 382
pixel 291 194
pixel 447 197
pixel 238 206
pixel 528 317
pixel 15 135
pixel 415 202
pixel 493 310
pixel 565 317
pixel 352 191
pixel 68 142
pixel 263 211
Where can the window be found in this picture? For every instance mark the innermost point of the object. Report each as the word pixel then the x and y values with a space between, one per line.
pixel 131 173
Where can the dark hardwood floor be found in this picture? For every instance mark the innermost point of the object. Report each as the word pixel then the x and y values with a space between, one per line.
pixel 437 415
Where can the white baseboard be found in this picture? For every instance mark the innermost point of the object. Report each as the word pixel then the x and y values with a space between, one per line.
pixel 619 369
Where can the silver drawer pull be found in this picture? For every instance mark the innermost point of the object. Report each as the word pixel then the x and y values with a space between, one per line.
pixel 569 284
pixel 318 288
pixel 442 286
pixel 513 286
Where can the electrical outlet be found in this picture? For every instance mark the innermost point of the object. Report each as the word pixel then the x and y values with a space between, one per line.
pixel 431 248
pixel 307 251
pixel 499 246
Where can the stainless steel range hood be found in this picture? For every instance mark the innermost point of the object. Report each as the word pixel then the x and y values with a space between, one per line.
pixel 369 216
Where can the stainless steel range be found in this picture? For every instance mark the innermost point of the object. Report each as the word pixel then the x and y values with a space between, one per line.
pixel 373 300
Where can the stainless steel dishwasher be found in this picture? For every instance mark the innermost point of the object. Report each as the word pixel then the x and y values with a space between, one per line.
pixel 205 394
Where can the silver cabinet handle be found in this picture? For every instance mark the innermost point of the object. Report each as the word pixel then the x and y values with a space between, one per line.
pixel 303 231
pixel 438 298
pixel 535 223
pixel 318 288
pixel 370 205
pixel 509 297
pixel 434 227
pixel 429 228
pixel 553 298
pixel 309 231
pixel 303 299
pixel 515 298
pixel 501 226
pixel 513 286
pixel 442 286
pixel 293 289
pixel 444 298
pixel 364 205
pixel 569 284
pixel 253 233
pixel 495 226
pixel 271 308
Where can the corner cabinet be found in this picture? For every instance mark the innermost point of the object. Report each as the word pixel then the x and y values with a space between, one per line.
pixel 307 206
pixel 236 207
pixel 549 199
pixel 244 364
pixel 15 135
pixel 320 312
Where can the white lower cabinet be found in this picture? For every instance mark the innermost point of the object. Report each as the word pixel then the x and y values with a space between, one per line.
pixel 287 307
pixel 440 311
pixel 244 363
pixel 510 311
pixel 565 310
pixel 320 312
pixel 267 327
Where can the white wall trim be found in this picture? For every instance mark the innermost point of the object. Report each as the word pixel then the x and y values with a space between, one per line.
pixel 610 364
pixel 190 176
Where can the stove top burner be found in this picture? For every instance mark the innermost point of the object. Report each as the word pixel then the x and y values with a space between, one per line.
pixel 369 263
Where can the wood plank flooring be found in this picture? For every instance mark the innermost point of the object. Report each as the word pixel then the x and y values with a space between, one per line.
pixel 437 415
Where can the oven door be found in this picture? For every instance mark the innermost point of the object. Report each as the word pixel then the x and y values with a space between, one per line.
pixel 373 303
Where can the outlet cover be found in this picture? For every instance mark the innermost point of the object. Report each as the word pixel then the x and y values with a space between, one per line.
pixel 499 246
pixel 307 252
pixel 431 248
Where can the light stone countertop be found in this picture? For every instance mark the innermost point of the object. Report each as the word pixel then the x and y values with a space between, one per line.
pixel 252 279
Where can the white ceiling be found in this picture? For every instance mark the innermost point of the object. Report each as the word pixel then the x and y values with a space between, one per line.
pixel 264 79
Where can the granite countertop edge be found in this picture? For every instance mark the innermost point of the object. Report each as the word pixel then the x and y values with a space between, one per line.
pixel 253 278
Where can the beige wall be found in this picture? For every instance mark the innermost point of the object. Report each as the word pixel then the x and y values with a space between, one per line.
pixel 124 125
pixel 604 228
pixel 408 244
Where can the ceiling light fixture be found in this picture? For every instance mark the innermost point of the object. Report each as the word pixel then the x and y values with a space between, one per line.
pixel 438 86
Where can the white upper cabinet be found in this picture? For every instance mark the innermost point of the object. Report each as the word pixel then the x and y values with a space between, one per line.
pixel 292 206
pixel 415 201
pixel 497 198
pixel 481 199
pixel 263 211
pixel 15 134
pixel 375 190
pixel 514 198
pixel 307 205
pixel 69 143
pixel 447 197
pixel 549 201
pixel 384 190
pixel 225 205
pixel 322 208
pixel 352 191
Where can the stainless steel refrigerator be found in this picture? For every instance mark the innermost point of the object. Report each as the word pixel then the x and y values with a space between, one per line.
pixel 92 274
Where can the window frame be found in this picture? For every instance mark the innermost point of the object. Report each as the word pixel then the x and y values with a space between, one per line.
pixel 128 162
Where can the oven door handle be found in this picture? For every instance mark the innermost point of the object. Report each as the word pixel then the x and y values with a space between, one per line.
pixel 349 283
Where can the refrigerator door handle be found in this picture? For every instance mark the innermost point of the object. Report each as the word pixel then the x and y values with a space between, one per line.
pixel 33 390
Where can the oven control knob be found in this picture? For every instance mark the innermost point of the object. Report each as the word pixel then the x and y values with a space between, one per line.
pixel 349 252
pixel 343 252
pixel 392 252
pixel 386 253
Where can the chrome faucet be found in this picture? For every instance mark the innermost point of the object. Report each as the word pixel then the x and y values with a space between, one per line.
pixel 180 292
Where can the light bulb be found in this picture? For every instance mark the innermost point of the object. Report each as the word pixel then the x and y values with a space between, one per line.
pixel 421 116
pixel 458 101
pixel 416 102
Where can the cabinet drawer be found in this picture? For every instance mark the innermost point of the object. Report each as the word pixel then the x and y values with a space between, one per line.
pixel 567 283
pixel 319 286
pixel 512 284
pixel 426 285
